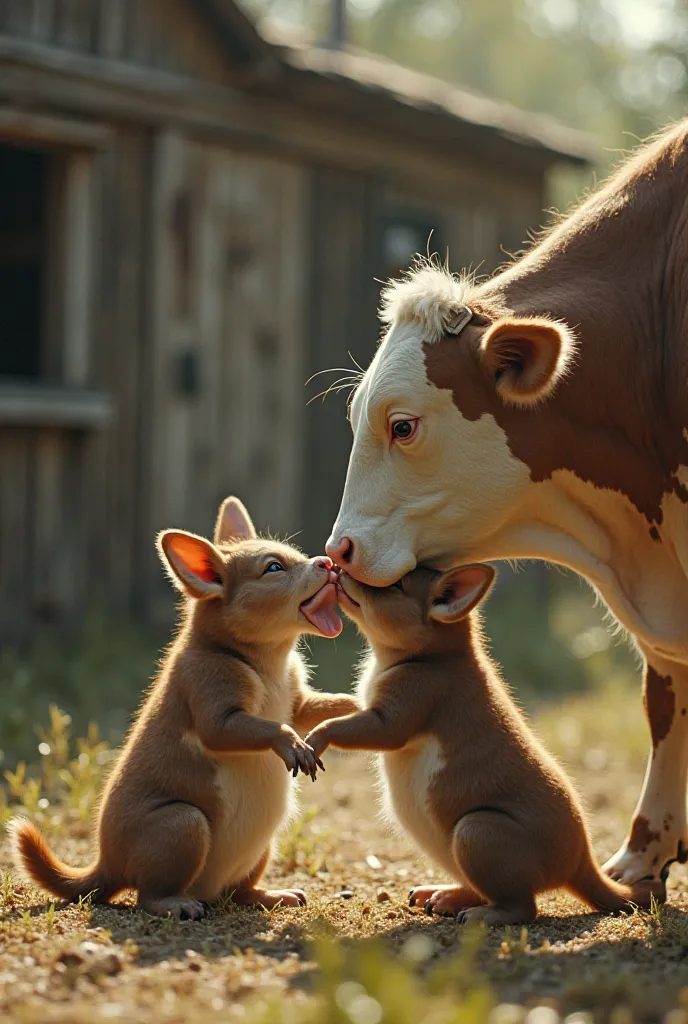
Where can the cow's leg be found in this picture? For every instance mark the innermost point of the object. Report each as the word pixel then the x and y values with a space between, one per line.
pixel 659 832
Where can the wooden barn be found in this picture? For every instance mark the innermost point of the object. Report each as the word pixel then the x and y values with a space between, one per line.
pixel 192 218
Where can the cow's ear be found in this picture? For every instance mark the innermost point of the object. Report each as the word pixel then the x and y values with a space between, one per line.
pixel 527 357
pixel 457 591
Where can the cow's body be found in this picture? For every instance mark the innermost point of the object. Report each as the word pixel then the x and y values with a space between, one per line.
pixel 583 461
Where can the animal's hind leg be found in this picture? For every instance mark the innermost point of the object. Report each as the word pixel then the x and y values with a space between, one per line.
pixel 165 856
pixel 500 863
pixel 659 833
pixel 249 894
pixel 445 900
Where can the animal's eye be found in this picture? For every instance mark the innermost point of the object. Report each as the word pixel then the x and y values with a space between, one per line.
pixel 403 430
pixel 274 567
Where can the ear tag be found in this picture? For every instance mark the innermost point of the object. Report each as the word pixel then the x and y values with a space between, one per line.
pixel 463 318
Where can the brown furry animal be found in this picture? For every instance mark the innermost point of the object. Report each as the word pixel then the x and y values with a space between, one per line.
pixel 197 793
pixel 463 773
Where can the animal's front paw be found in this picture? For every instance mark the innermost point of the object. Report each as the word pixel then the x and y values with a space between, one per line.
pixel 319 740
pixel 648 852
pixel 296 753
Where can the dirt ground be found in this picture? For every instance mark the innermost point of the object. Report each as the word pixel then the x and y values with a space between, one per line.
pixel 83 964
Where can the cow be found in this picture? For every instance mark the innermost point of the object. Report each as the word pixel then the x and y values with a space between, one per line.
pixel 543 414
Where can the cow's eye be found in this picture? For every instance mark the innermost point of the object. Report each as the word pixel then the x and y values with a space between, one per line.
pixel 403 430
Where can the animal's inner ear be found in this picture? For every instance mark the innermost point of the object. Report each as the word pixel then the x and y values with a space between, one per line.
pixel 526 357
pixel 194 564
pixel 233 522
pixel 458 591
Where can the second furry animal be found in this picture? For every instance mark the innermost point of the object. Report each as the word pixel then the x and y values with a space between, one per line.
pixel 462 770
pixel 200 787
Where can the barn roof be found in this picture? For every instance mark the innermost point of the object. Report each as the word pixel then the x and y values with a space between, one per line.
pixel 375 77
pixel 381 82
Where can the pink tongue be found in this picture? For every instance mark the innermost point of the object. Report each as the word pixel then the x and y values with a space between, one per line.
pixel 321 611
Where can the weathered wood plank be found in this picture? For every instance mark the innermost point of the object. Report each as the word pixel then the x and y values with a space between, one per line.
pixel 341 321
pixel 15 17
pixel 110 39
pixel 213 186
pixel 118 364
pixel 37 405
pixel 78 266
pixel 74 24
pixel 291 254
pixel 42 20
pixel 174 258
pixel 24 126
pixel 16 566
pixel 49 550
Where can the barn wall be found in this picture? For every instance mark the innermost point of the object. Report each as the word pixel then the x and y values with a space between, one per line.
pixel 343 246
pixel 160 34
pixel 120 365
pixel 45 520
pixel 227 368
pixel 70 487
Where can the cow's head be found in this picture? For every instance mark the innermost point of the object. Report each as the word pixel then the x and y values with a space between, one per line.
pixel 431 475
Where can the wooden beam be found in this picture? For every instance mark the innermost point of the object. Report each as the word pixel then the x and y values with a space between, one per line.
pixel 21 125
pixel 39 405
pixel 270 126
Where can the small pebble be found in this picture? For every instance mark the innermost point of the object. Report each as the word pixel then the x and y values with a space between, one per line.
pixel 383 896
pixel 391 914
pixel 373 862
pixel 345 894
pixel 70 959
pixel 365 910
pixel 108 965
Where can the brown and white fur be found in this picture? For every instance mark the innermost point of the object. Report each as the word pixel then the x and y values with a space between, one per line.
pixel 462 771
pixel 200 787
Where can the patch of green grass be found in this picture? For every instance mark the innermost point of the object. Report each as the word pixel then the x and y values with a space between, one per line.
pixel 66 780
pixel 98 674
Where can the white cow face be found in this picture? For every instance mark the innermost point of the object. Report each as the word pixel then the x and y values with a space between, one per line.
pixel 426 483
pixel 422 480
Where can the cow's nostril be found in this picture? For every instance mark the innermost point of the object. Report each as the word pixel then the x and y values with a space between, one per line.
pixel 341 551
pixel 324 563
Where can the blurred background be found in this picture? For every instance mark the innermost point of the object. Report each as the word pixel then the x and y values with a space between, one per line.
pixel 198 200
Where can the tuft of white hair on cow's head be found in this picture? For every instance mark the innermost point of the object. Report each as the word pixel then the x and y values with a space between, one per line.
pixel 429 295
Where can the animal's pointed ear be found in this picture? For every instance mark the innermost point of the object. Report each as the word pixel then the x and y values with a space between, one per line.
pixel 194 565
pixel 233 522
pixel 527 357
pixel 458 591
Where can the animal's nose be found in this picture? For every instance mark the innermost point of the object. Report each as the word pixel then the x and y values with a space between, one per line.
pixel 324 563
pixel 340 550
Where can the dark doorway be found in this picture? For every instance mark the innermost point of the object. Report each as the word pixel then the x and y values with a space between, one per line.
pixel 23 216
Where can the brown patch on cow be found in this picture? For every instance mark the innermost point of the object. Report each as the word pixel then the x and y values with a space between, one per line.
pixel 601 423
pixel 641 835
pixel 668 818
pixel 660 704
pixel 564 432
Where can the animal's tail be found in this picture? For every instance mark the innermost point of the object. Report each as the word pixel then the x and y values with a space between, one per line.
pixel 603 893
pixel 32 855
